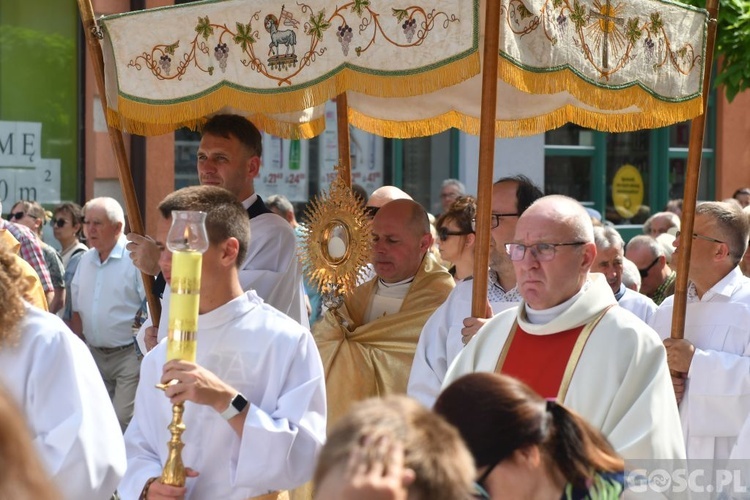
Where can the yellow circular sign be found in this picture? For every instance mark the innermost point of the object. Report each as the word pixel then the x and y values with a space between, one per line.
pixel 627 191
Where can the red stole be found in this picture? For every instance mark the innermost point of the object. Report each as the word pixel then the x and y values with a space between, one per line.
pixel 545 362
pixel 540 360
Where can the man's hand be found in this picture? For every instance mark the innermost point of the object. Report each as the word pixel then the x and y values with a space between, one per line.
pixel 679 354
pixel 195 384
pixel 150 338
pixel 144 252
pixel 160 491
pixel 678 383
pixel 472 325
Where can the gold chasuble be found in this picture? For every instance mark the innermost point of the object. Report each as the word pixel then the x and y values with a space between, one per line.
pixel 363 361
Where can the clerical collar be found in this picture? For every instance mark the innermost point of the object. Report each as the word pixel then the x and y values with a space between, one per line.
pixel 394 288
pixel 249 201
pixel 544 316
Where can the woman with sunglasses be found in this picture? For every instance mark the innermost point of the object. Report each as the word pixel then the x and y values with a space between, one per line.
pixel 67 226
pixel 32 215
pixel 456 237
pixel 527 447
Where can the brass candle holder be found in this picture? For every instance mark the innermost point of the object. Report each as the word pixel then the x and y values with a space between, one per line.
pixel 187 240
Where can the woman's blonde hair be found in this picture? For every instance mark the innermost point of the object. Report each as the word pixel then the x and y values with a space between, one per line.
pixel 13 287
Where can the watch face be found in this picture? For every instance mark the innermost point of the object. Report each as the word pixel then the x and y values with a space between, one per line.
pixel 239 402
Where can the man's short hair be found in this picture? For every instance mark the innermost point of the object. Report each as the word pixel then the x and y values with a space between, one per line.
pixel 674 220
pixel 111 207
pixel 732 223
pixel 608 237
pixel 741 191
pixel 644 240
pixel 226 217
pixel 443 467
pixel 280 203
pixel 455 182
pixel 526 193
pixel 238 126
pixel 631 276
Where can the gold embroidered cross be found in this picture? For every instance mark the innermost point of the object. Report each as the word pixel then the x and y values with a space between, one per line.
pixel 607 20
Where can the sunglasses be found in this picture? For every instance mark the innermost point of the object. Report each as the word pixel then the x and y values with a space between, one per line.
pixel 58 222
pixel 20 215
pixel 444 233
pixel 644 272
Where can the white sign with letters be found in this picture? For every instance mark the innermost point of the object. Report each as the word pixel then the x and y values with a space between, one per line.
pixel 24 174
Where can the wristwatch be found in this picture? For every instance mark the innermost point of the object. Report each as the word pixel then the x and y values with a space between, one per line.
pixel 235 407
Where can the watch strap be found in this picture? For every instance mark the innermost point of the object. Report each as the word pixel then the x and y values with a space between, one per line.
pixel 236 405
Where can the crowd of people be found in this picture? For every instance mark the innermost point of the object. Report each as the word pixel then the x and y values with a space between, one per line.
pixel 398 393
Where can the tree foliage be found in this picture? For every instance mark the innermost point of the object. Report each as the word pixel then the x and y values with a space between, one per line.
pixel 732 44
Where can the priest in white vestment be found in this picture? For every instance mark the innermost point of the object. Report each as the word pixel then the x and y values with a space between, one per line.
pixel 714 356
pixel 56 384
pixel 570 340
pixel 452 324
pixel 255 410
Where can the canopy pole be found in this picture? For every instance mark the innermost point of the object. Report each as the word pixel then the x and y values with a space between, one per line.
pixel 486 158
pixel 342 127
pixel 93 34
pixel 690 196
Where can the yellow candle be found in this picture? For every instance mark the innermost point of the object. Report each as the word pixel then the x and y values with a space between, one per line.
pixel 183 305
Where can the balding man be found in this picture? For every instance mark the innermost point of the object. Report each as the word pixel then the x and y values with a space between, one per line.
pixel 657 277
pixel 609 261
pixel 714 356
pixel 568 342
pixel 383 195
pixel 660 223
pixel 368 344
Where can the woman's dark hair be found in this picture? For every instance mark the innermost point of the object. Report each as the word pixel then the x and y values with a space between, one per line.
pixel 462 212
pixel 497 415
pixel 76 214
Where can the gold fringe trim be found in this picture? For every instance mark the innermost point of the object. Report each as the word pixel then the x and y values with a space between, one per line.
pixel 162 116
pixel 566 80
pixel 666 114
pixel 265 123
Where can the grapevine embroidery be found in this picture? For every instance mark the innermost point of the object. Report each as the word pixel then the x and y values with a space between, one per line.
pixel 606 40
pixel 284 34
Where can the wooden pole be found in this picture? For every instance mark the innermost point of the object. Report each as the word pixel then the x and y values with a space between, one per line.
pixel 486 157
pixel 92 34
pixel 342 127
pixel 690 196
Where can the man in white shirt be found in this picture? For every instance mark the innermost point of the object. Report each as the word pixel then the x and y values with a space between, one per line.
pixel 568 342
pixel 255 411
pixel 609 261
pixel 229 156
pixel 106 293
pixel 713 359
pixel 452 325
pixel 55 382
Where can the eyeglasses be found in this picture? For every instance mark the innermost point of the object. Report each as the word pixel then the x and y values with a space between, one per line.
pixel 644 272
pixel 58 222
pixel 541 251
pixel 20 215
pixel 494 221
pixel 443 233
pixel 702 237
